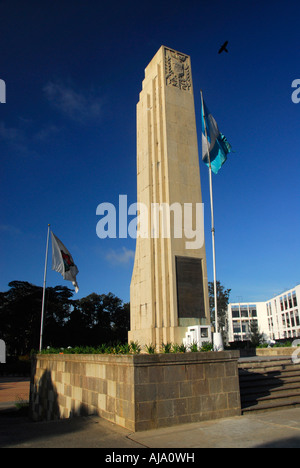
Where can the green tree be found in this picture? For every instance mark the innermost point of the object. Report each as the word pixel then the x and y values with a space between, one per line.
pixel 222 303
pixel 89 321
pixel 256 338
pixel 58 308
pixel 98 319
pixel 121 323
pixel 20 316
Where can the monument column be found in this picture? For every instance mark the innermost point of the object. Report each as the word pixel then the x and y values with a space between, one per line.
pixel 169 289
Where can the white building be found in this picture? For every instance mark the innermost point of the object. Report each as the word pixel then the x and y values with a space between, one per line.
pixel 277 318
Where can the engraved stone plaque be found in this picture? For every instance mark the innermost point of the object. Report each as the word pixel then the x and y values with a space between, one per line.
pixel 190 293
pixel 178 72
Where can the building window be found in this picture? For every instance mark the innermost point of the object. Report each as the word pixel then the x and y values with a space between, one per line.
pixel 236 327
pixel 244 313
pixel 297 318
pixel 269 309
pixel 292 319
pixel 235 313
pixel 270 323
pixel 295 299
pixel 281 304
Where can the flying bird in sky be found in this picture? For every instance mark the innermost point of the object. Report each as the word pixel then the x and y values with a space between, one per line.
pixel 223 48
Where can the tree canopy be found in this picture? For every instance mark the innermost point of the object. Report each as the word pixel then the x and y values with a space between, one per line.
pixel 92 320
pixel 222 302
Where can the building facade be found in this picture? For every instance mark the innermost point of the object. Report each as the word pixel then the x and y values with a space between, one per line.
pixel 277 318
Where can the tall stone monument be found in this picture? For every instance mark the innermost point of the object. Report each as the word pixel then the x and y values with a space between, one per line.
pixel 169 289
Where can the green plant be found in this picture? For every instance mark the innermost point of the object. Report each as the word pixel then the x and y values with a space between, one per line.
pixel 135 347
pixel 287 344
pixel 207 346
pixel 121 348
pixel 263 345
pixel 22 406
pixel 151 349
pixel 179 348
pixel 20 403
pixel 103 349
pixel 194 347
pixel 175 348
pixel 124 348
pixel 167 348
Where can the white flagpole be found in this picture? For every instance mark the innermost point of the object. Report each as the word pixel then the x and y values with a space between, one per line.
pixel 212 221
pixel 44 290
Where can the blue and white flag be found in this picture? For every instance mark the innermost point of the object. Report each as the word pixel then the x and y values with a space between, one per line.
pixel 216 147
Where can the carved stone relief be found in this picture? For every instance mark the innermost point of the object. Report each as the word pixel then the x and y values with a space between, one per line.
pixel 177 67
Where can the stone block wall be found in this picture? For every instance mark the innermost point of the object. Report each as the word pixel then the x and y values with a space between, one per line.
pixel 182 388
pixel 63 386
pixel 138 392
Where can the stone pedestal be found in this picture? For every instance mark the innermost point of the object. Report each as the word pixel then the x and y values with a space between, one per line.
pixel 138 392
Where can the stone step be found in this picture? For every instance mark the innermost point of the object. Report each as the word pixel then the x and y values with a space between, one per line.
pixel 252 380
pixel 264 373
pixel 272 405
pixel 274 394
pixel 268 390
pixel 269 384
pixel 260 360
pixel 269 367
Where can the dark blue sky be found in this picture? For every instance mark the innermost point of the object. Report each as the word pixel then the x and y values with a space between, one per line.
pixel 73 72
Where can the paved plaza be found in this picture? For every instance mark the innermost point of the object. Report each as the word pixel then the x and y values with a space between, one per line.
pixel 274 429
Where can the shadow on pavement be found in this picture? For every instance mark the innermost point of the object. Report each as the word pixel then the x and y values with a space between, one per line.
pixel 292 442
pixel 16 428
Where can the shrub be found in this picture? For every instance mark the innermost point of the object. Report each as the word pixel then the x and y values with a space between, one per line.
pixel 151 349
pixel 167 348
pixel 178 348
pixel 135 347
pixel 194 348
pixel 126 348
pixel 207 346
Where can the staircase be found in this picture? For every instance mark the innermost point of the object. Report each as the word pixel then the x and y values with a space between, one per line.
pixel 269 383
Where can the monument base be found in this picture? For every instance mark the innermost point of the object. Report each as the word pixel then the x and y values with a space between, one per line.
pixel 138 392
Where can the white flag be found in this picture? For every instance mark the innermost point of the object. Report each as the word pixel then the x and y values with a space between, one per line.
pixel 62 261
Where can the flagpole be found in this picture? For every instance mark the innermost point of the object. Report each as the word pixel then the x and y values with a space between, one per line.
pixel 44 290
pixel 212 220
